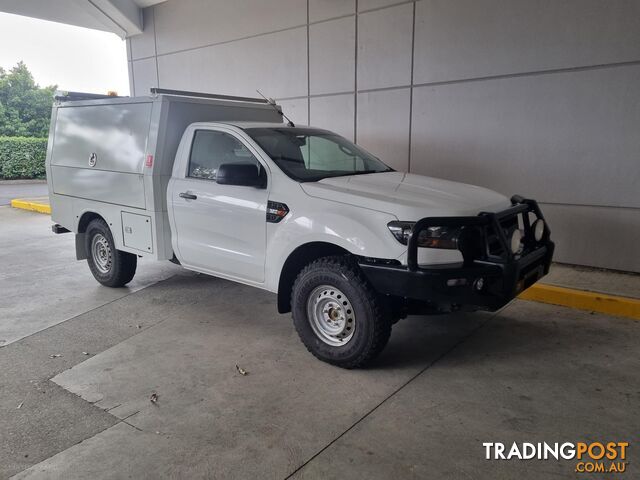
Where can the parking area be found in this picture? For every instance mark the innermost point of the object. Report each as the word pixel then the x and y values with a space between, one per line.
pixel 79 364
pixel 10 189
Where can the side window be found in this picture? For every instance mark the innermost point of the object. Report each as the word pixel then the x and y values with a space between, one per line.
pixel 210 149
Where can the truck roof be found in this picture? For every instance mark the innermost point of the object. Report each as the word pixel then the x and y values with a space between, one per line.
pixel 247 124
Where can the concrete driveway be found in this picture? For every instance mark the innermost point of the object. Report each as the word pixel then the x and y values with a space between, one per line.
pixel 21 189
pixel 80 363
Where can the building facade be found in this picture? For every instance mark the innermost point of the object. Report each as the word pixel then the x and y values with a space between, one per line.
pixel 535 97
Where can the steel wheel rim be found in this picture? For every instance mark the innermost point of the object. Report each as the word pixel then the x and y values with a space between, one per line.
pixel 331 315
pixel 101 253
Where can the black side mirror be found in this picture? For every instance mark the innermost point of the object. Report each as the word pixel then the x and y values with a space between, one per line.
pixel 244 174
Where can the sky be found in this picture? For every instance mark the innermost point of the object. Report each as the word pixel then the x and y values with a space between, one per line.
pixel 74 58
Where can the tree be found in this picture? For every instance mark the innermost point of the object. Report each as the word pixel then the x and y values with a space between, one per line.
pixel 25 108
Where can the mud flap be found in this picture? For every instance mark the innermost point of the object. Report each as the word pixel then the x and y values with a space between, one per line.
pixel 81 251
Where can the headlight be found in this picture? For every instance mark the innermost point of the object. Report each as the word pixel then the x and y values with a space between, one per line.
pixel 430 237
pixel 538 229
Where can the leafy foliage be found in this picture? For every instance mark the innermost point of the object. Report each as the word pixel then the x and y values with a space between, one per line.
pixel 25 108
pixel 22 157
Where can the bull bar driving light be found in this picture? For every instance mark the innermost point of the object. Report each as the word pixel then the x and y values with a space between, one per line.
pixel 516 240
pixel 538 229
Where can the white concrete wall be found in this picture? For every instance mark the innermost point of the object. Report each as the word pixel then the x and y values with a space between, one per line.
pixel 537 97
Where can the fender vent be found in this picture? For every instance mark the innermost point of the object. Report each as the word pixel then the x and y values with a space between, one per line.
pixel 276 211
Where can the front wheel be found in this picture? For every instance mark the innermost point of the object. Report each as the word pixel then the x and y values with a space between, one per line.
pixel 337 314
pixel 110 267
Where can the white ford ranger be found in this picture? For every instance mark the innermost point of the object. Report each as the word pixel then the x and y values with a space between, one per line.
pixel 221 186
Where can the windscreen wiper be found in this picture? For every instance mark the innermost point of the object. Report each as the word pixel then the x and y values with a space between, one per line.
pixel 364 172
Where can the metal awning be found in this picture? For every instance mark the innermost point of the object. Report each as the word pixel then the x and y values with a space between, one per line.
pixel 122 17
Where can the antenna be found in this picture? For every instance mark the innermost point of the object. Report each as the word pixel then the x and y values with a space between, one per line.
pixel 272 102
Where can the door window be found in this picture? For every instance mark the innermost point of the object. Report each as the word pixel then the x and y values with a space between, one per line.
pixel 210 149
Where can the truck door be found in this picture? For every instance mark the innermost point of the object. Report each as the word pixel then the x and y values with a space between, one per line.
pixel 220 229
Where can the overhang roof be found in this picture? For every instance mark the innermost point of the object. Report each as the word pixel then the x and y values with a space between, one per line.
pixel 122 17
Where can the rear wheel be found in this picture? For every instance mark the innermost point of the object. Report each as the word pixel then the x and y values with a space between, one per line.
pixel 110 267
pixel 337 314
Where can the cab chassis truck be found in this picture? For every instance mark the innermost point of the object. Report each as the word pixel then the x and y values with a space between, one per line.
pixel 223 186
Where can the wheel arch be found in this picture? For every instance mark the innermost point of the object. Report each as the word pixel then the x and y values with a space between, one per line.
pixel 85 219
pixel 296 261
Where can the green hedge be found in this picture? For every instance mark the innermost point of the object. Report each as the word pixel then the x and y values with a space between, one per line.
pixel 22 157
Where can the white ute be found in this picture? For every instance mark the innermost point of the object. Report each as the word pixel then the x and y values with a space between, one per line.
pixel 222 186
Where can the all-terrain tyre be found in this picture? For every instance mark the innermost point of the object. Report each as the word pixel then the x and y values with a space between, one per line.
pixel 337 314
pixel 110 267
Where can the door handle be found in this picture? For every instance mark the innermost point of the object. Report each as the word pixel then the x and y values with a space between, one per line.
pixel 188 196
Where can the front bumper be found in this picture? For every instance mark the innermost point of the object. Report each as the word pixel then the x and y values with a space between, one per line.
pixel 489 277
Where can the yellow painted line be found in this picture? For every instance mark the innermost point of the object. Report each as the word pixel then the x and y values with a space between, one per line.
pixel 583 300
pixel 32 205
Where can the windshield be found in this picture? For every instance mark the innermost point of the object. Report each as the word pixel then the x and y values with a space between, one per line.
pixel 309 155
